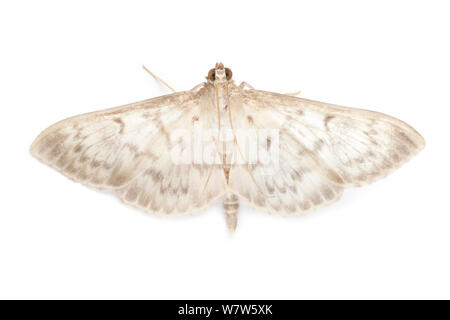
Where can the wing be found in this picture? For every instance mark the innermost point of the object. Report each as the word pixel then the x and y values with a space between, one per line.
pixel 323 148
pixel 130 150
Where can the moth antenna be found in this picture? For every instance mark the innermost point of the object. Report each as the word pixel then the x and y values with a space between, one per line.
pixel 207 179
pixel 218 138
pixel 158 79
pixel 237 145
pixel 218 111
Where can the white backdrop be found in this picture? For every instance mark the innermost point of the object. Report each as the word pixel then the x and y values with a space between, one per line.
pixel 59 239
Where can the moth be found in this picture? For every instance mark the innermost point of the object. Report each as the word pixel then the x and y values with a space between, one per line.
pixel 175 154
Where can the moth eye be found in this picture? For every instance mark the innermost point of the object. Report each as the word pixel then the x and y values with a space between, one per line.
pixel 228 73
pixel 212 74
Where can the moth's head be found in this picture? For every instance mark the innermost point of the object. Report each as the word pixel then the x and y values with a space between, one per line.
pixel 219 74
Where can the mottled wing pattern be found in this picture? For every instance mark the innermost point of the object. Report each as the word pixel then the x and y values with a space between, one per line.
pixel 128 150
pixel 323 148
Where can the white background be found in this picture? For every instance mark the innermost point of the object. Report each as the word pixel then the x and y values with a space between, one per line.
pixel 59 239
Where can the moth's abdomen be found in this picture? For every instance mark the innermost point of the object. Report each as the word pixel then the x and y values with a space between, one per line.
pixel 231 207
pixel 231 204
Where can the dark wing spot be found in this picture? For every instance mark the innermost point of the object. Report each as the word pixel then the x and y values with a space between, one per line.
pixel 327 119
pixel 121 123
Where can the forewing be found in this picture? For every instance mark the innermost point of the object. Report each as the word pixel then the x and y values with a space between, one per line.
pixel 322 149
pixel 129 150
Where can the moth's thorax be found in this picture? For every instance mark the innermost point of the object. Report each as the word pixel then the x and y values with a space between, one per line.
pixel 221 92
pixel 220 100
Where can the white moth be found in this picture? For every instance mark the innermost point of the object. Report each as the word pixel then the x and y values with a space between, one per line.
pixel 173 155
